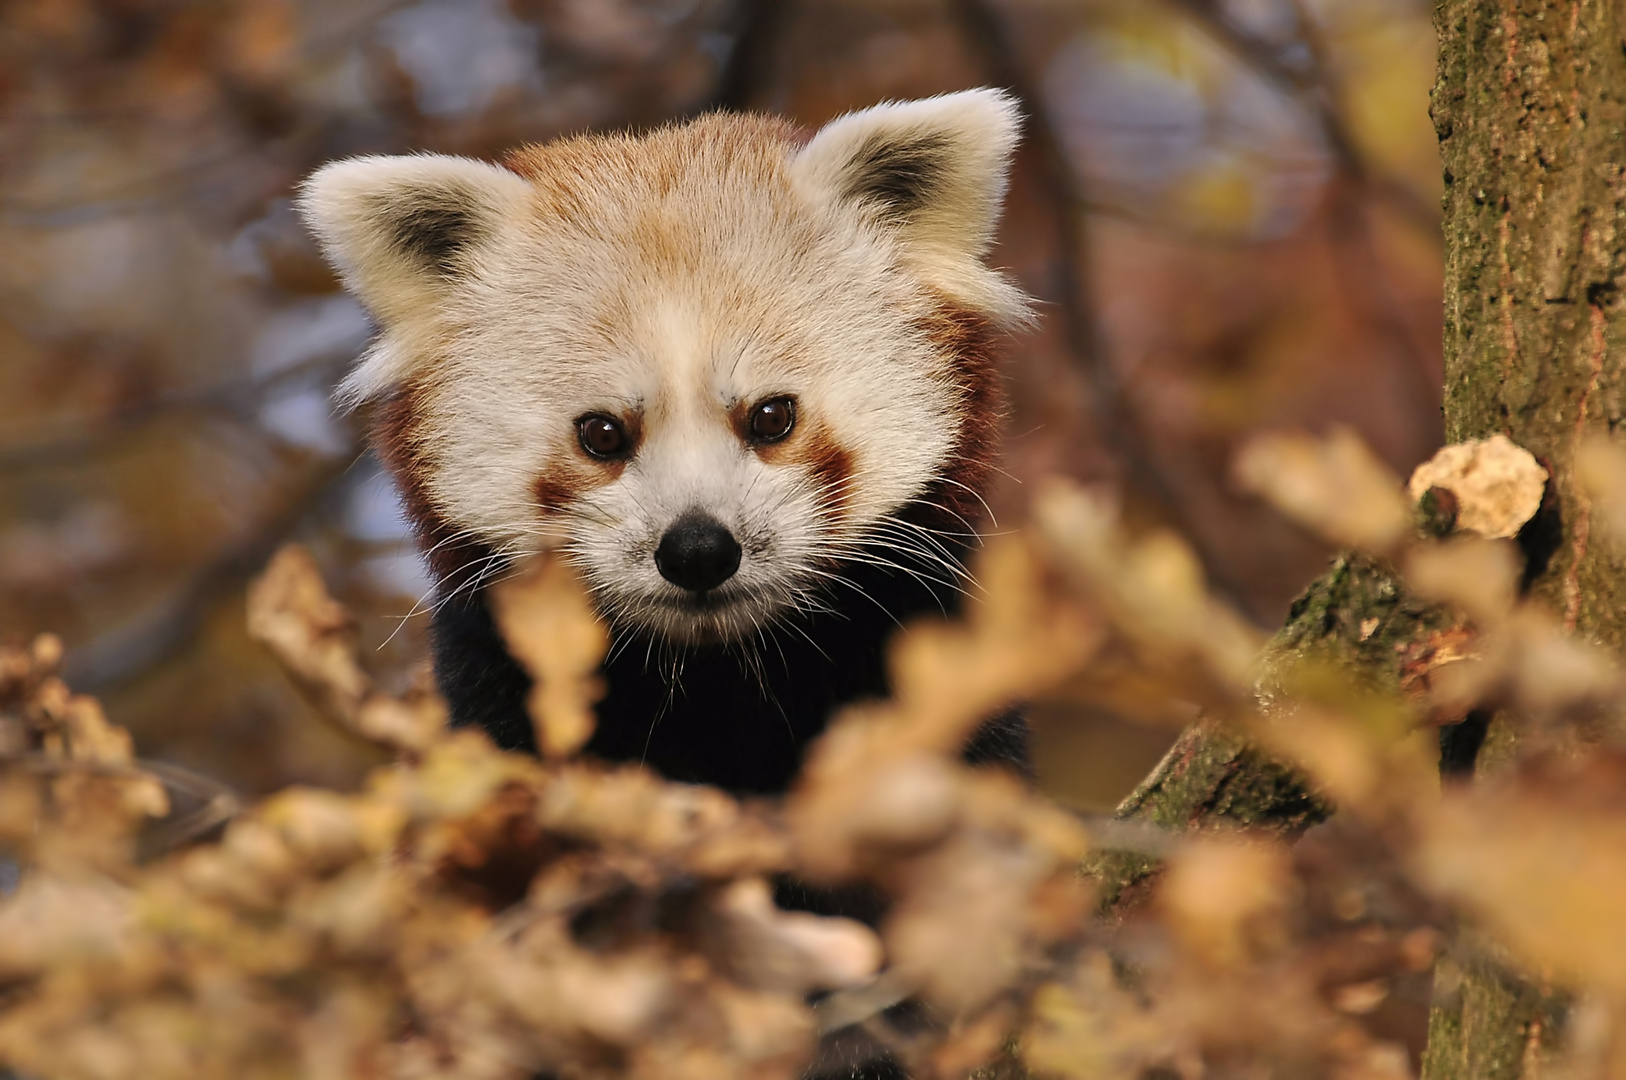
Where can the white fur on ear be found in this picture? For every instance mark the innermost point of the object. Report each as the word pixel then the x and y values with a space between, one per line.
pixel 937 170
pixel 400 230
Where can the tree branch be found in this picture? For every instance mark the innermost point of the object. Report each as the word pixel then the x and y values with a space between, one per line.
pixel 234 397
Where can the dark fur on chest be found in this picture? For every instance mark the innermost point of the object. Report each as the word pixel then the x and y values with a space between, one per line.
pixel 739 717
pixel 714 716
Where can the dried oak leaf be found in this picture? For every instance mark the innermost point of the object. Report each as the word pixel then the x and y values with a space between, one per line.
pixel 1600 465
pixel 411 722
pixel 1529 660
pixel 764 947
pixel 1537 858
pixel 1152 589
pixel 313 638
pixel 1478 575
pixel 50 917
pixel 310 633
pixel 1368 756
pixel 1422 658
pixel 1019 638
pixel 549 623
pixel 1226 898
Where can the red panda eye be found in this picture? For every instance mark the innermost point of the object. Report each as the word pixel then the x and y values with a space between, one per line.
pixel 773 419
pixel 602 436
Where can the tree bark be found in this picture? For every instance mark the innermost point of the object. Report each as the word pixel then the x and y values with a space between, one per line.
pixel 1529 106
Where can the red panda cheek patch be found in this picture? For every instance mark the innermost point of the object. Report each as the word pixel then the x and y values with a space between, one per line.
pixel 827 461
pixel 553 492
pixel 562 482
pixel 831 465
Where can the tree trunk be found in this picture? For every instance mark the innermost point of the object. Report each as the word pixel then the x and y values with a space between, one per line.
pixel 1529 106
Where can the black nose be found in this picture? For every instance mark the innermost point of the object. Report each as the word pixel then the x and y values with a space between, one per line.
pixel 697 553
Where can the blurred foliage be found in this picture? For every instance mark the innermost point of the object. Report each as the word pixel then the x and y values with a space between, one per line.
pixel 479 914
pixel 1227 210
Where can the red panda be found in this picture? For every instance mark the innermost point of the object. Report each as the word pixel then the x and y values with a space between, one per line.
pixel 742 377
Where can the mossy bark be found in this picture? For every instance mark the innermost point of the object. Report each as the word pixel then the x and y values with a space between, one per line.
pixel 1209 775
pixel 1357 618
pixel 1489 1024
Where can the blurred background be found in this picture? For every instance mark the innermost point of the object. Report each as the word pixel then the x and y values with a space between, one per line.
pixel 1227 208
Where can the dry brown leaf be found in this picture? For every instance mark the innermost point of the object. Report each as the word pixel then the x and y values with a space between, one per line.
pixel 1425 660
pixel 956 930
pixel 1153 591
pixel 50 917
pixel 1540 863
pixel 1600 466
pixel 972 1044
pixel 314 639
pixel 553 631
pixel 1554 670
pixel 535 915
pixel 1015 641
pixel 1333 486
pixel 765 947
pixel 310 633
pixel 322 829
pixel 1093 1026
pixel 411 723
pixel 1479 576
pixel 1531 662
pixel 1226 897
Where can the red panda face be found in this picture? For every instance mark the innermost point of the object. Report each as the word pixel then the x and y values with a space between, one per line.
pixel 708 364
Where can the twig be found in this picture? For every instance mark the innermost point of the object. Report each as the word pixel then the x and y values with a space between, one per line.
pixel 987 31
pixel 1369 289
pixel 1313 86
pixel 750 60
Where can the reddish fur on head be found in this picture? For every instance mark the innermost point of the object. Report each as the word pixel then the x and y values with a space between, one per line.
pixel 973 342
pixel 393 429
pixel 671 284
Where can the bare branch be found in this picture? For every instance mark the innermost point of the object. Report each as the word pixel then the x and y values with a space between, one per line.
pixel 750 60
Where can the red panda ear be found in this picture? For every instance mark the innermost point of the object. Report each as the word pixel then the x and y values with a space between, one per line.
pixel 400 229
pixel 936 169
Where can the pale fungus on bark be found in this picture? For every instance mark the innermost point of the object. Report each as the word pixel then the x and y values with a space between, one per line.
pixel 1498 485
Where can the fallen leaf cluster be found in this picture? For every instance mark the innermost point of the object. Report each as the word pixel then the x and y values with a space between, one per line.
pixel 478 914
pixel 70 789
